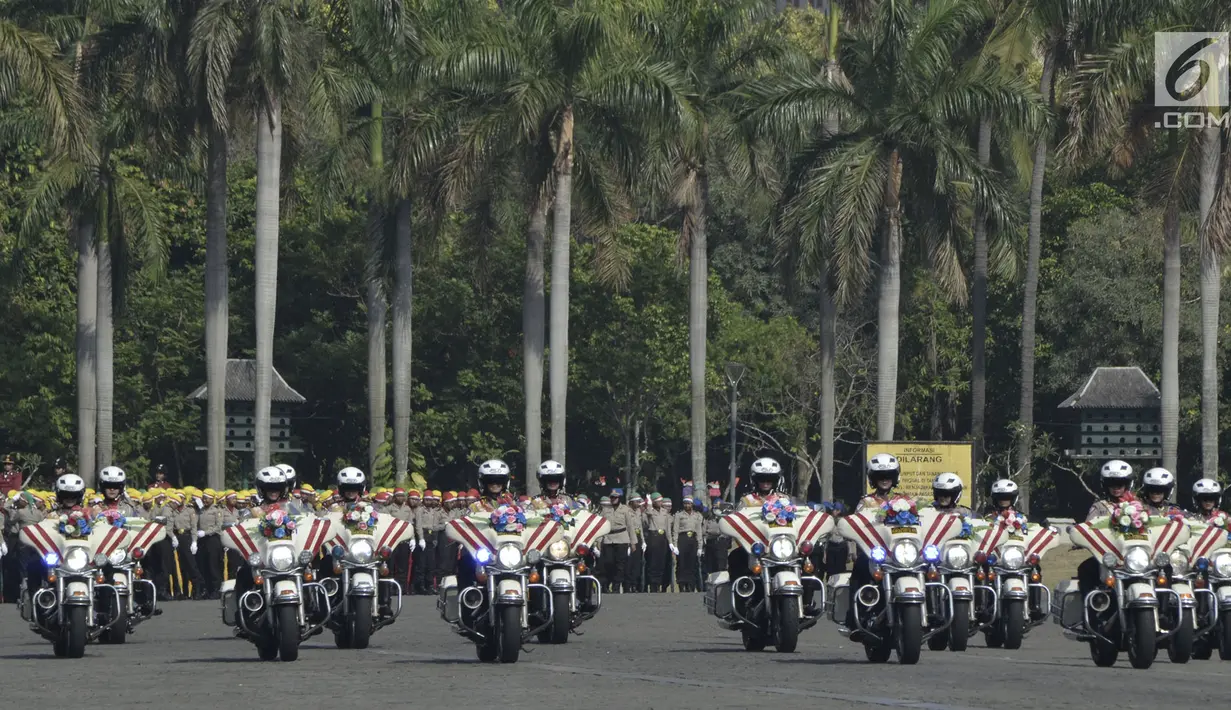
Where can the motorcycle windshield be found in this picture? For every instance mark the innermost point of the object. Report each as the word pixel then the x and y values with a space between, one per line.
pixel 254 535
pixel 750 527
pixel 488 531
pixel 869 530
pixel 1104 535
pixel 1035 540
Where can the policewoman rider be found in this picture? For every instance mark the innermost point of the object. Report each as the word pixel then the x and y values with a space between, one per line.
pixel 494 492
pixel 883 473
pixel 766 478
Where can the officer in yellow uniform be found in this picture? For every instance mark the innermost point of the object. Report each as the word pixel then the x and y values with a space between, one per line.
pixel 184 528
pixel 400 508
pixel 209 532
pixel 634 568
pixel 658 544
pixel 688 525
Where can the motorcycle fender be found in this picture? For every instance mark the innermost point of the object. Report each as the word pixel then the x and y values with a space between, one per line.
pixel 120 580
pixel 1014 587
pixel 76 593
pixel 559 579
pixel 786 583
pixel 1185 592
pixel 286 592
pixel 908 589
pixel 361 584
pixel 510 592
pixel 960 587
pixel 1224 596
pixel 1139 594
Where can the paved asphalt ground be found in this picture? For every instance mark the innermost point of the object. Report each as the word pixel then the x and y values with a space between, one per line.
pixel 642 651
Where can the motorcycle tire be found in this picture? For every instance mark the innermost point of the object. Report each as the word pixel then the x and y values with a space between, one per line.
pixel 341 638
pixel 74 632
pixel 909 634
pixel 1180 645
pixel 1202 650
pixel 267 650
pixel 938 641
pixel 877 651
pixel 1142 647
pixel 487 650
pixel 993 635
pixel 288 633
pixel 561 619
pixel 788 624
pixel 959 630
pixel 1014 619
pixel 360 622
pixel 1224 637
pixel 509 634
pixel 118 633
pixel 753 640
pixel 1103 654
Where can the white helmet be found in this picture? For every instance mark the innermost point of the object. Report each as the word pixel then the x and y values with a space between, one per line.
pixel 112 477
pixel 70 483
pixel 947 484
pixel 351 478
pixel 766 469
pixel 1004 489
pixel 881 464
pixel 1158 480
pixel 289 472
pixel 551 470
pixel 1207 488
pixel 494 471
pixel 271 475
pixel 1117 470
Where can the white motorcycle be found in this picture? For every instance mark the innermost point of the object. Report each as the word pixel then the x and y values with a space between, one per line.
pixel 1201 577
pixel 1122 612
pixel 895 612
pixel 138 598
pixel 959 571
pixel 360 555
pixel 504 548
pixel 267 603
pixel 76 605
pixel 1011 598
pixel 575 596
pixel 766 602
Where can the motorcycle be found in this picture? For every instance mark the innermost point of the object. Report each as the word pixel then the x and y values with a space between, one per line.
pixel 504 548
pixel 1012 598
pixel 138 598
pixel 1122 612
pixel 268 602
pixel 769 602
pixel 1201 577
pixel 360 558
pixel 896 612
pixel 959 571
pixel 79 606
pixel 575 595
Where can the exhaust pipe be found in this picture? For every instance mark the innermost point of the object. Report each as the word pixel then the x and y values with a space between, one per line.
pixel 45 599
pixel 1100 601
pixel 472 598
pixel 744 587
pixel 868 595
pixel 253 601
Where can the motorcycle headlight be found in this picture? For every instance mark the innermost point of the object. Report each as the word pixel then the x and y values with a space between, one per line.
pixel 254 560
pixel 957 557
pixel 76 559
pixel 558 550
pixel 509 556
pixel 117 557
pixel 906 553
pixel 281 557
pixel 361 551
pixel 782 548
pixel 1222 564
pixel 1012 558
pixel 1179 562
pixel 1137 560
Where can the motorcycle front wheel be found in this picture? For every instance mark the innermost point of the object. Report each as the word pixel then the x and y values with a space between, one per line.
pixel 959 630
pixel 360 622
pixel 1014 623
pixel 788 624
pixel 1223 632
pixel 509 634
pixel 118 633
pixel 1180 645
pixel 74 632
pixel 561 618
pixel 909 633
pixel 1141 644
pixel 753 640
pixel 288 632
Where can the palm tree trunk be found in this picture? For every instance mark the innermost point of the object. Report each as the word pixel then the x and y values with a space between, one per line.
pixel 698 307
pixel 561 241
pixel 378 312
pixel 216 308
pixel 978 338
pixel 829 307
pixel 378 307
pixel 1171 334
pixel 403 292
pixel 1030 299
pixel 534 317
pixel 1211 274
pixel 87 363
pixel 888 305
pixel 105 353
pixel 268 175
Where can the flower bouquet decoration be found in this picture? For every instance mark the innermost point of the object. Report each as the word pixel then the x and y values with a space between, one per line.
pixel 900 511
pixel 833 507
pixel 277 525
pixel 778 511
pixel 361 519
pixel 560 513
pixel 509 519
pixel 967 531
pixel 1015 522
pixel 112 517
pixel 1129 518
pixel 75 525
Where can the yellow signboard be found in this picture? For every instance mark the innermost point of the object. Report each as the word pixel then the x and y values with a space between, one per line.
pixel 922 460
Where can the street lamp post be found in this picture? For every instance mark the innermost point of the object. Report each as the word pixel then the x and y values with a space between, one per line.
pixel 735 371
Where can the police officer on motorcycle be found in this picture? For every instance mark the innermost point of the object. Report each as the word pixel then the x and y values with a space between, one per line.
pixel 1156 487
pixel 551 483
pixel 1207 497
pixel 113 482
pixel 947 494
pixel 1116 478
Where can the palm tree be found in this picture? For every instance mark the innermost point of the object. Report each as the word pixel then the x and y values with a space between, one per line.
pixel 897 137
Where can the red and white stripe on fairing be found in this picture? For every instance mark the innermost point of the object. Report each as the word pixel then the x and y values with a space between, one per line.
pixel 473 538
pixel 813 522
pixel 540 536
pixel 1167 538
pixel 1042 539
pixel 317 533
pixel 588 530
pixel 241 540
pixel 145 537
pixel 1096 539
pixel 993 537
pixel 393 533
pixel 940 527
pixel 868 533
pixel 1207 542
pixel 112 540
pixel 37 536
pixel 751 534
